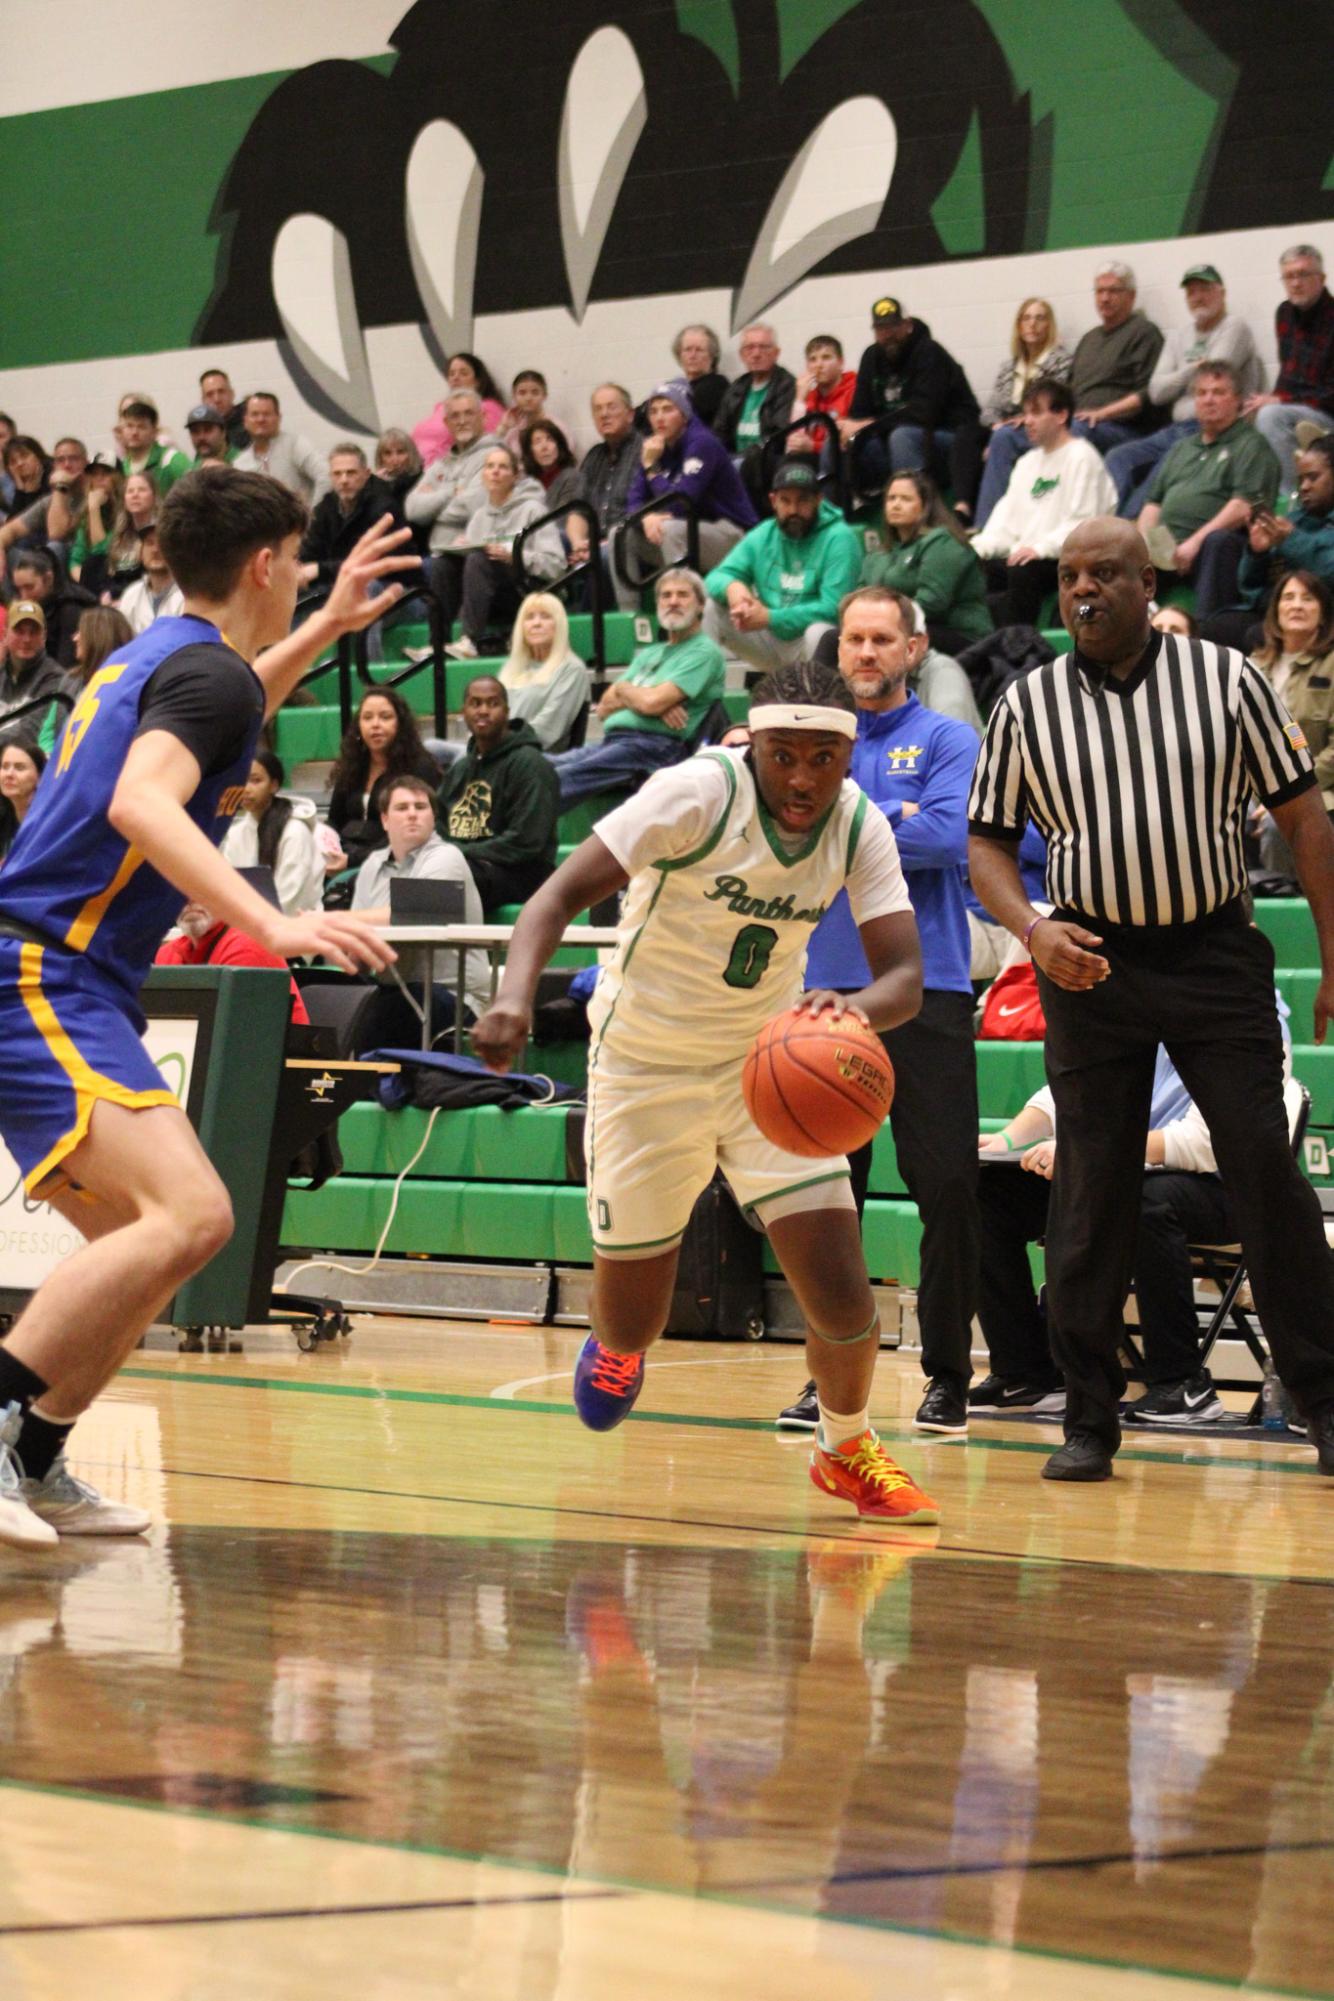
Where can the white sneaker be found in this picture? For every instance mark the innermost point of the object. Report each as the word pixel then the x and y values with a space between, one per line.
pixel 19 1526
pixel 462 649
pixel 69 1506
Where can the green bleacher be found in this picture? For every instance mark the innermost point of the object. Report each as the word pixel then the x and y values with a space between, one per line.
pixel 494 1184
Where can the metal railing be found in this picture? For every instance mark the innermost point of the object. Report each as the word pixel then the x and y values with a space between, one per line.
pixel 776 448
pixel 658 505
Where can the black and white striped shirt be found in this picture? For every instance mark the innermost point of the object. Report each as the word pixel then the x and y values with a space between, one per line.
pixel 1140 786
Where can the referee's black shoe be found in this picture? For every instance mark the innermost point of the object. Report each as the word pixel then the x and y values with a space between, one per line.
pixel 944 1407
pixel 1082 1457
pixel 803 1415
pixel 1320 1431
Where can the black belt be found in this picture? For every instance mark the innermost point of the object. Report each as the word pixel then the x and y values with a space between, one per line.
pixel 14 927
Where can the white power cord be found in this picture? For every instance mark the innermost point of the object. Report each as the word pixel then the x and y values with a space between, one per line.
pixel 362 1271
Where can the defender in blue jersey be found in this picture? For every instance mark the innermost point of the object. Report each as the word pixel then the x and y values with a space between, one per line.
pixel 123 830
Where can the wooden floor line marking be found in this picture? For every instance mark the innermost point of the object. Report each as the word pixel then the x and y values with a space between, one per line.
pixel 731 1899
pixel 571 1894
pixel 1306 1468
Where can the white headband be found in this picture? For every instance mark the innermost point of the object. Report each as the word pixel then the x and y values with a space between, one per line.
pixel 795 716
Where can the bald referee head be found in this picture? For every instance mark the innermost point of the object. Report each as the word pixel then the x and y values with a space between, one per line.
pixel 1106 584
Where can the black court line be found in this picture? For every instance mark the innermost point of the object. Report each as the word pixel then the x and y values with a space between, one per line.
pixel 298 1912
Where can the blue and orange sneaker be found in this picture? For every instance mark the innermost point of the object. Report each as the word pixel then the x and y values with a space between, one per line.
pixel 861 1471
pixel 606 1385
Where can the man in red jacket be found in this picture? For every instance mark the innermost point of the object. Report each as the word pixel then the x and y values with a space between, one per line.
pixel 207 941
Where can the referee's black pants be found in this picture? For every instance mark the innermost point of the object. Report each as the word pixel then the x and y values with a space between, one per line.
pixel 934 1122
pixel 1206 991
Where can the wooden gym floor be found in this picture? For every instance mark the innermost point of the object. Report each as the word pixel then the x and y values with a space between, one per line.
pixel 420 1689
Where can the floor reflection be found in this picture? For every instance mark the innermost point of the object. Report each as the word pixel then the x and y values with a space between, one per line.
pixel 1069 1757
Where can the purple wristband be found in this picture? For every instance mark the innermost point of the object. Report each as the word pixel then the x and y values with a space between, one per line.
pixel 1029 933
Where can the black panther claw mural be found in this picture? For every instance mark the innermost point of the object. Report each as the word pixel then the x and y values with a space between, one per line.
pixel 578 151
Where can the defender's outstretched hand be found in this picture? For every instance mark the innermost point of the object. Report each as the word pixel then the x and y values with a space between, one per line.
pixel 348 940
pixel 378 554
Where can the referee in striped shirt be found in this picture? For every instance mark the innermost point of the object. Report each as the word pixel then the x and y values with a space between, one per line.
pixel 1136 756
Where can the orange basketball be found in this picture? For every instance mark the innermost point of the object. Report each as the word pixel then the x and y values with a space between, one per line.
pixel 815 1085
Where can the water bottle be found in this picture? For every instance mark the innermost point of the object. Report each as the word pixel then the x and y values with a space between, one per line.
pixel 1272 1415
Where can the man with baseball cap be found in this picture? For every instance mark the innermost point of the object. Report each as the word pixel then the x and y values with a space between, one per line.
pixel 915 398
pixel 208 435
pixel 1214 335
pixel 777 592
pixel 28 673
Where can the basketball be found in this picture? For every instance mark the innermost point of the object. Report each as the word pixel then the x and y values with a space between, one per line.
pixel 817 1085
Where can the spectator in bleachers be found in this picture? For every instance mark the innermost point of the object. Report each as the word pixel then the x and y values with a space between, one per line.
pixel 1036 355
pixel 775 595
pixel 528 402
pixel 928 558
pixel 101 631
pixel 698 352
pixel 487 587
pixel 7 430
pixel 141 450
pixel 382 741
pixel 1301 540
pixel 938 681
pixel 681 456
pixel 827 386
pixel 276 830
pixel 411 849
pixel 1304 391
pixel 756 406
pixel 1215 335
pixel 397 462
pixel 1183 1201
pixel 208 437
pixel 436 435
pixel 103 493
pixel 215 389
pixel 29 673
pixel 915 401
pixel 1173 618
pixel 653 714
pixel 38 578
pixel 205 940
pixel 284 455
pixel 1297 658
pixel 547 458
pixel 547 684
pixel 1201 496
pixel 1059 481
pixel 1109 377
pixel 53 517
pixel 119 562
pixel 499 802
pixel 21 765
pixel 156 594
pixel 607 470
pixel 450 490
pixel 355 501
pixel 28 470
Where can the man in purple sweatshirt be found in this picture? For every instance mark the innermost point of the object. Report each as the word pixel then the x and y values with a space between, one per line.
pixel 680 458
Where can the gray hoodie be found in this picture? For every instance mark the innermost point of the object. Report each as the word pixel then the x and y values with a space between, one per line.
pixel 544 553
pixel 449 491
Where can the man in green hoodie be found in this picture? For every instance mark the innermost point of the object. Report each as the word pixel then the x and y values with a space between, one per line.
pixel 778 591
pixel 500 801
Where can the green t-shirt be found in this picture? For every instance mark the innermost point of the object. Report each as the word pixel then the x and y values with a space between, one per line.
pixel 1196 479
pixel 748 423
pixel 164 466
pixel 699 671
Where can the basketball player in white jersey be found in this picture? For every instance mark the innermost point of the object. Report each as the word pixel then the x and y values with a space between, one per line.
pixel 731 858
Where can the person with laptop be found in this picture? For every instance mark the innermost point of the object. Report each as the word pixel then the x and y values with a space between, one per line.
pixel 416 854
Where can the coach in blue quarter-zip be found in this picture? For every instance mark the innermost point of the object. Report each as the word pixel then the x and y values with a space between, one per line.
pixel 917 765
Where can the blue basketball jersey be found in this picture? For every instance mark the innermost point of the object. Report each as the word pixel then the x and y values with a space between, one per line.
pixel 70 875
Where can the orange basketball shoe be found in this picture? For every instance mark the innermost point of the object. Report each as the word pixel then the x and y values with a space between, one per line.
pixel 861 1471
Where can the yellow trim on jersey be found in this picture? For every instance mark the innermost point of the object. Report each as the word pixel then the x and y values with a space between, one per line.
pixel 85 709
pixel 95 909
pixel 90 1086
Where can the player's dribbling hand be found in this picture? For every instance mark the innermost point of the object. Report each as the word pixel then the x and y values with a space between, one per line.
pixel 500 1035
pixel 1065 954
pixel 378 554
pixel 339 935
pixel 821 998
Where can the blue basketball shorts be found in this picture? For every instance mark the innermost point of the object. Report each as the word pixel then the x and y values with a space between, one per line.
pixel 68 1041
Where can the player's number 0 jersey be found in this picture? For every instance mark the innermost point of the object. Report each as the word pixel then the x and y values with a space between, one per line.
pixel 719 912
